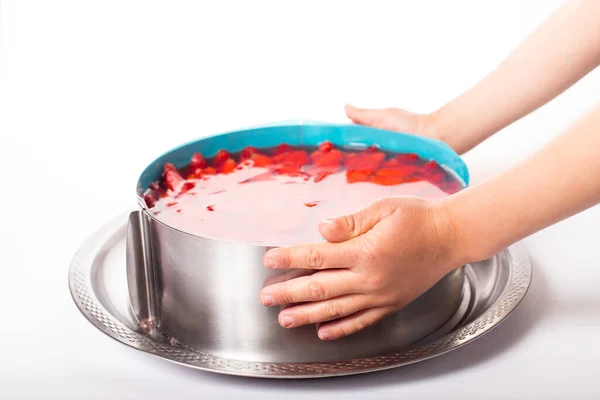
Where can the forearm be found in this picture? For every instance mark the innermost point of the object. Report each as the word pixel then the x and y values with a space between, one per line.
pixel 559 53
pixel 557 182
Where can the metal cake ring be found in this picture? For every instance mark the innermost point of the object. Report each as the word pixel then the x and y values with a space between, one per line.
pixel 513 263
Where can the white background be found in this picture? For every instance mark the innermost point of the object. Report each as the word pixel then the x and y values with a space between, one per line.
pixel 92 91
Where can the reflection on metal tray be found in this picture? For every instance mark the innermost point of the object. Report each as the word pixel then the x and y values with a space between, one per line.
pixel 98 283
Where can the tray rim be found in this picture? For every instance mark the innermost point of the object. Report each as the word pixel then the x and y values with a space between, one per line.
pixel 84 297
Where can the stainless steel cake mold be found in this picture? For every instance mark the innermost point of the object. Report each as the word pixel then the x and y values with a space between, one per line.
pixel 203 291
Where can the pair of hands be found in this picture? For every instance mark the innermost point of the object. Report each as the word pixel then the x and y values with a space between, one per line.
pixel 384 256
pixel 373 263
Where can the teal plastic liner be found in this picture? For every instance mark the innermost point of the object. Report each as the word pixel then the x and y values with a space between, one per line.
pixel 309 134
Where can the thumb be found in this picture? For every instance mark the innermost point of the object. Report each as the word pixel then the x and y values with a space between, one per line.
pixel 346 227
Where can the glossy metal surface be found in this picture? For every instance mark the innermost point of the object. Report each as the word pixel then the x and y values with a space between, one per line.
pixel 204 294
pixel 98 283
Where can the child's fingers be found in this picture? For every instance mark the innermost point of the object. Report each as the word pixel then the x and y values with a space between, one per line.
pixel 363 116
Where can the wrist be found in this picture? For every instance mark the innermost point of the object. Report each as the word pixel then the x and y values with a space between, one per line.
pixel 427 125
pixel 472 239
pixel 457 126
pixel 438 125
pixel 449 236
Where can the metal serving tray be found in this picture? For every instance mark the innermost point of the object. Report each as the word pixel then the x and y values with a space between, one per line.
pixel 194 299
pixel 98 284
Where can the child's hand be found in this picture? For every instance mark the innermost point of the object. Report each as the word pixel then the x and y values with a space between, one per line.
pixel 394 119
pixel 375 262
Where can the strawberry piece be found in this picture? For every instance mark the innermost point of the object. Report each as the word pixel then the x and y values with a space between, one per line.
pixel 438 179
pixel 311 204
pixel 197 161
pixel 409 158
pixel 261 160
pixel 211 207
pixel 386 180
pixel 357 176
pixel 228 166
pixel 187 187
pixel 361 165
pixel 168 167
pixel 208 171
pixel 282 148
pixel 432 167
pixel 391 163
pixel 403 170
pixel 393 172
pixel 179 210
pixel 285 169
pixel 171 204
pixel 190 177
pixel 391 180
pixel 367 161
pixel 326 147
pixel 330 158
pixel 297 157
pixel 434 173
pixel 288 169
pixel 221 157
pixel 149 200
pixel 248 163
pixel 400 169
pixel 248 152
pixel 173 180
